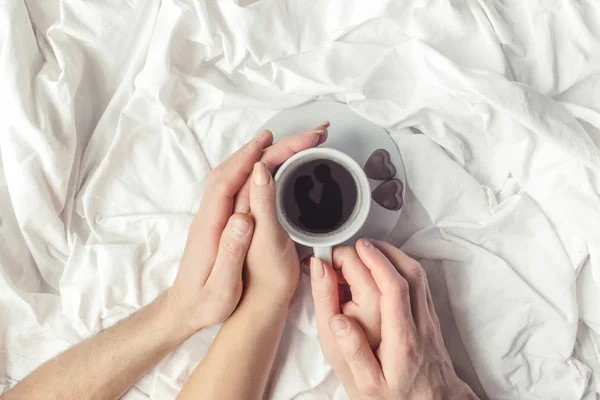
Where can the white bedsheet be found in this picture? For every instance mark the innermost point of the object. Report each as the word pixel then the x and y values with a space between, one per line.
pixel 113 113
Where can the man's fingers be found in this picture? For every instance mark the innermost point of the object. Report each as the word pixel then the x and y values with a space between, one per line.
pixel 414 274
pixel 217 203
pixel 353 344
pixel 233 246
pixel 397 324
pixel 279 152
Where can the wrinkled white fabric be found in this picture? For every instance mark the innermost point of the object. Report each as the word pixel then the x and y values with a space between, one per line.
pixel 113 113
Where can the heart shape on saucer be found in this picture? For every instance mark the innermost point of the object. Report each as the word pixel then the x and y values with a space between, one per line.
pixel 379 166
pixel 389 194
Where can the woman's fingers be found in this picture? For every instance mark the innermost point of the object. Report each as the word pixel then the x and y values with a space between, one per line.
pixel 233 246
pixel 352 343
pixel 415 275
pixel 279 152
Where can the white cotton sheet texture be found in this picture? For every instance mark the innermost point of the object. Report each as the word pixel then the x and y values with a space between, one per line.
pixel 113 113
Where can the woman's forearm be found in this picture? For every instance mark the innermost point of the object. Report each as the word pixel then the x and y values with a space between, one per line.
pixel 238 363
pixel 107 365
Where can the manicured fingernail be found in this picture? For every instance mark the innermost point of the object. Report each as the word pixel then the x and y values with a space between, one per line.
pixel 239 227
pixel 338 326
pixel 324 123
pixel 261 175
pixel 366 242
pixel 317 270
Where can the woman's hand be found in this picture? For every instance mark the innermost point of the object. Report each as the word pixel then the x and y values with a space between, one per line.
pixel 272 267
pixel 208 286
pixel 411 360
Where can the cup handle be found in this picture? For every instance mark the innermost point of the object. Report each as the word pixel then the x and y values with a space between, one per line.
pixel 324 254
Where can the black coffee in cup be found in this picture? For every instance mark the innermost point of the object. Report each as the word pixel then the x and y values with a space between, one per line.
pixel 320 196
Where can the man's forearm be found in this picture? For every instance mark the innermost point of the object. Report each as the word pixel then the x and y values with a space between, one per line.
pixel 107 365
pixel 239 361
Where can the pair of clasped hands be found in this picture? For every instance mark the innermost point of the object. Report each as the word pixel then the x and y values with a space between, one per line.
pixel 384 343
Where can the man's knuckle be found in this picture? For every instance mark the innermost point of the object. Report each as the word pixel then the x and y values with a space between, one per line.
pixel 417 271
pixel 411 345
pixel 399 313
pixel 430 332
pixel 399 288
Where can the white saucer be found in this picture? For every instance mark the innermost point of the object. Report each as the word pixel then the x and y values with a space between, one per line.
pixel 354 136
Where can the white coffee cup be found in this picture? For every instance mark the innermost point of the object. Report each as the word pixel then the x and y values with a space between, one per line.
pixel 323 243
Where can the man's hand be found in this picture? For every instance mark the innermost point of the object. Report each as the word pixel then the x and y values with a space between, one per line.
pixel 411 360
